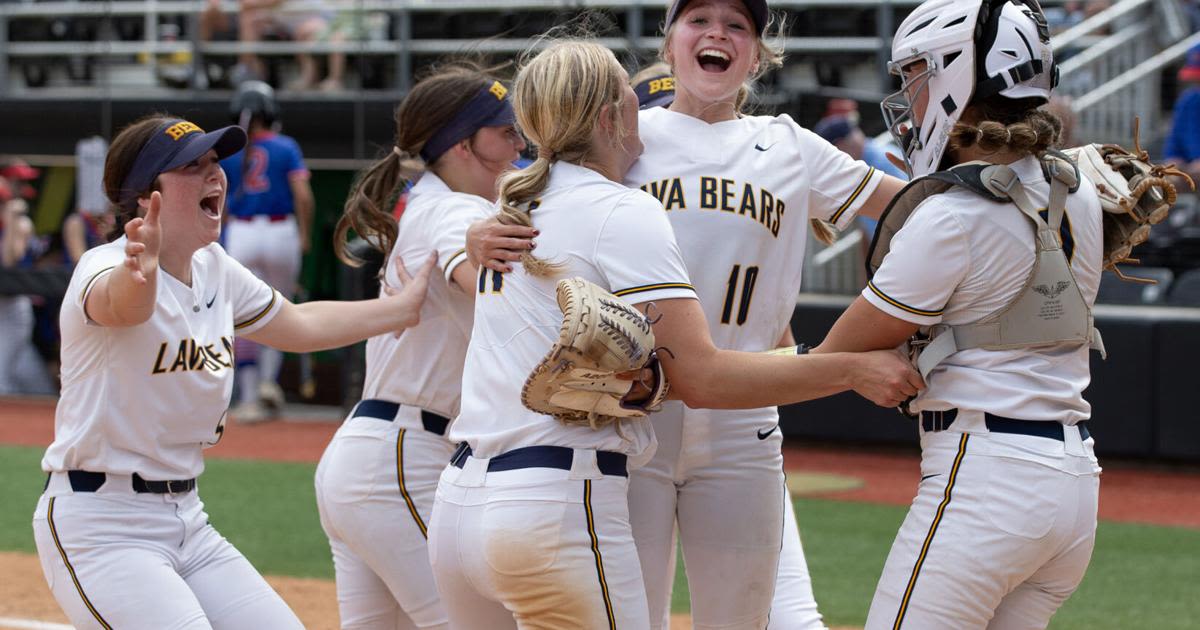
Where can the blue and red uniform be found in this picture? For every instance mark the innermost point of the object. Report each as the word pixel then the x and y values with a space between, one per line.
pixel 274 160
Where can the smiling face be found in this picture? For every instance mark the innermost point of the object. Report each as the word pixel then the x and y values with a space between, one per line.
pixel 713 49
pixel 193 200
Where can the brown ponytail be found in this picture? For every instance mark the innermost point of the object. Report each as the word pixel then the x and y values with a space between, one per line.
pixel 1006 125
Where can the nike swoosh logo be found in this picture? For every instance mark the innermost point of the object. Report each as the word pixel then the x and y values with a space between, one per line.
pixel 928 476
pixel 210 302
pixel 762 148
pixel 762 435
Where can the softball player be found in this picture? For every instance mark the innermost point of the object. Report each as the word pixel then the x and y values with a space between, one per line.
pixel 1002 528
pixel 377 478
pixel 270 214
pixel 739 192
pixel 148 327
pixel 530 520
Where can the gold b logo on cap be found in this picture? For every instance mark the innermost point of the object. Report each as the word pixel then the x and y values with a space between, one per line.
pixel 665 84
pixel 499 91
pixel 181 129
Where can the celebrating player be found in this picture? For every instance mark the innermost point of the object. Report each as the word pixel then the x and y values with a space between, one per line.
pixel 739 192
pixel 376 481
pixel 147 371
pixel 270 213
pixel 1002 527
pixel 531 520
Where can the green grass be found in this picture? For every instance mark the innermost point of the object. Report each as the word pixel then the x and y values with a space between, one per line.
pixel 1140 575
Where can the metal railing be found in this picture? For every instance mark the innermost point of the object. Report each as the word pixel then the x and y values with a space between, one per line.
pixel 401 15
pixel 1109 77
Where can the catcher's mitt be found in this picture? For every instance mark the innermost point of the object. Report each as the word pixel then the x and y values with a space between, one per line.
pixel 1134 193
pixel 601 336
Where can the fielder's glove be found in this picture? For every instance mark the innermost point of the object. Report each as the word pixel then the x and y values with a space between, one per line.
pixel 601 336
pixel 1134 193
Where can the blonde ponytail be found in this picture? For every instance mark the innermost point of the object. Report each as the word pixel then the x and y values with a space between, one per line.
pixel 558 97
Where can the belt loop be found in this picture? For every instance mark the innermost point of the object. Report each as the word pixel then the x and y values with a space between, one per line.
pixel 474 472
pixel 584 465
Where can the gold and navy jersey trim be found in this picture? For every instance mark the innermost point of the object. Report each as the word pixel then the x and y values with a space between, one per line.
pixel 853 196
pixel 261 314
pixel 937 519
pixel 591 525
pixel 900 305
pixel 653 287
pixel 87 286
pixel 412 507
pixel 453 260
pixel 70 569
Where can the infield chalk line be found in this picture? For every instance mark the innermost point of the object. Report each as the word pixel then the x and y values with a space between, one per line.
pixel 32 624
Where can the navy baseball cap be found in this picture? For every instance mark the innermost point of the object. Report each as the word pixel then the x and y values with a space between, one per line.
pixel 175 143
pixel 655 91
pixel 756 8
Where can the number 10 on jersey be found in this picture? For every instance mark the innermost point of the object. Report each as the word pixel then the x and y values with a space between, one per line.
pixel 747 281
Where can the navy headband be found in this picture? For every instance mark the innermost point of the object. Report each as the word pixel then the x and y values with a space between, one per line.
pixel 174 143
pixel 489 108
pixel 657 91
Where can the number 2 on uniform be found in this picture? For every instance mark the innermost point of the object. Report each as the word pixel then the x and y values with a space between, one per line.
pixel 731 292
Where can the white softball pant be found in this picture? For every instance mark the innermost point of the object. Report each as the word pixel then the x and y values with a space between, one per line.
pixel 269 249
pixel 375 486
pixel 724 488
pixel 793 607
pixel 990 541
pixel 536 548
pixel 118 559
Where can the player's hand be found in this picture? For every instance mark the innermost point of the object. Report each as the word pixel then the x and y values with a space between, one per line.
pixel 493 244
pixel 885 377
pixel 144 239
pixel 410 295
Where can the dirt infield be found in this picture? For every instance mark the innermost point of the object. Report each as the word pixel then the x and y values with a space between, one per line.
pixel 1128 494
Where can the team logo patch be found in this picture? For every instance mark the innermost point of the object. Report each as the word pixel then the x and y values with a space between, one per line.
pixel 181 129
pixel 499 91
pixel 1052 291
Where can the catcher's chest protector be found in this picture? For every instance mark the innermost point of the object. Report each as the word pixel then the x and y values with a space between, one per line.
pixel 1050 308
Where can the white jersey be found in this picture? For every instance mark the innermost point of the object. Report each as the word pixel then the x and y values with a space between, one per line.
pixel 423 367
pixel 147 398
pixel 960 258
pixel 602 231
pixel 739 195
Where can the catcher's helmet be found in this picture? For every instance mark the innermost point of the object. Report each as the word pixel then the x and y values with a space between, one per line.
pixel 254 99
pixel 972 50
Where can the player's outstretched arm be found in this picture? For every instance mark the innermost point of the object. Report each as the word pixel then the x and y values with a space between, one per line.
pixel 126 296
pixel 705 376
pixel 313 326
pixel 881 197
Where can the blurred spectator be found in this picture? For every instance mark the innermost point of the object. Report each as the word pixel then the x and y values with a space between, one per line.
pixel 259 16
pixel 21 368
pixel 842 132
pixel 1183 141
pixel 93 219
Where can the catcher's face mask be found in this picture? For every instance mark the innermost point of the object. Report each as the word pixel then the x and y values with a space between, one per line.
pixel 971 50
